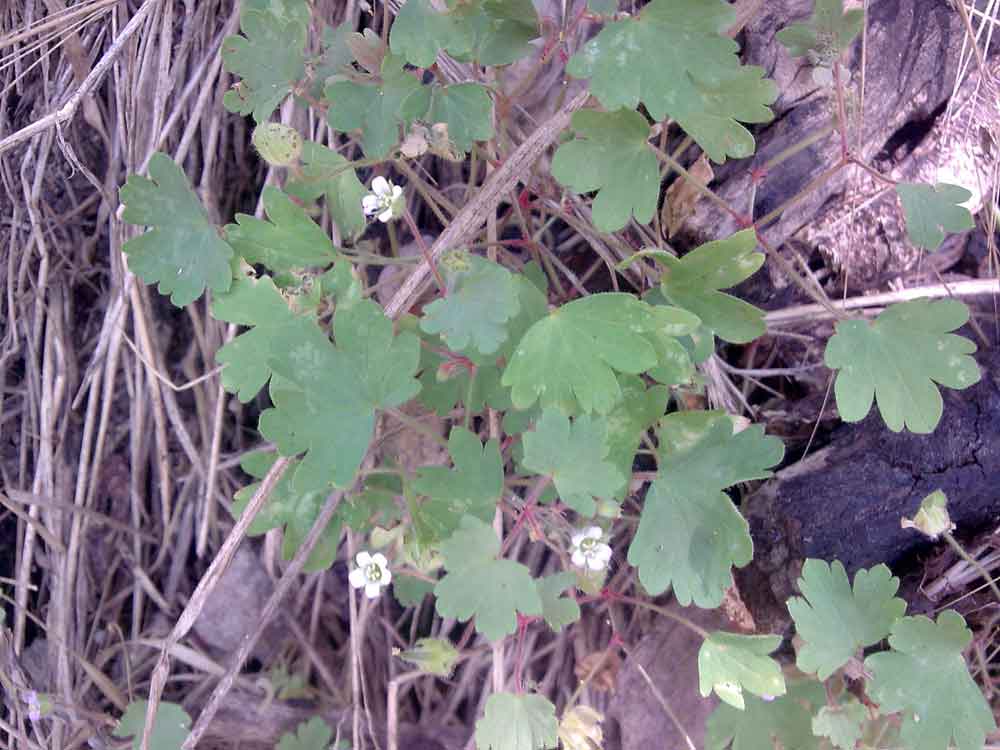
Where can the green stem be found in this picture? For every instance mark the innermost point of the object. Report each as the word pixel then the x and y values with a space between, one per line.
pixel 960 550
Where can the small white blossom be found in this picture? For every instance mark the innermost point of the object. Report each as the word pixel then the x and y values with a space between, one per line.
pixel 385 199
pixel 371 574
pixel 589 551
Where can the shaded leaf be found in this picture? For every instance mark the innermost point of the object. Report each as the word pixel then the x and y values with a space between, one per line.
pixel 558 611
pixel 314 734
pixel 730 663
pixel 787 720
pixel 843 724
pixel 325 172
pixel 467 110
pixel 526 721
pixel 611 156
pixel 170 729
pixel 829 31
pixel 931 211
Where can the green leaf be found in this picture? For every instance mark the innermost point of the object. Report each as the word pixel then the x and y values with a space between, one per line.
pixel 828 32
pixel 575 456
pixel 932 211
pixel 638 410
pixel 184 252
pixel 467 110
pixel 270 58
pixel 288 241
pixel 432 655
pixel 730 663
pixel 835 621
pixel 502 30
pixel 314 734
pixel 707 90
pixel 291 508
pixel 611 156
pixel 420 32
pixel 897 359
pixel 526 721
pixel 481 586
pixel 410 590
pixel 170 729
pixel 472 488
pixel 336 58
pixel 690 534
pixel 325 172
pixel 568 359
pixel 378 109
pixel 329 412
pixel 481 301
pixel 843 724
pixel 787 719
pixel 693 283
pixel 925 677
pixel 558 611
pixel 602 7
pixel 257 303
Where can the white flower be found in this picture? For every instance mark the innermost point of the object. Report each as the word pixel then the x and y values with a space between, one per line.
pixel 588 549
pixel 385 199
pixel 371 574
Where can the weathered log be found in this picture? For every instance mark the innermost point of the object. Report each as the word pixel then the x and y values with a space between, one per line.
pixel 846 500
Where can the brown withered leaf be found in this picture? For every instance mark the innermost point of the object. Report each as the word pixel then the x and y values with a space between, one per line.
pixel 736 611
pixel 368 49
pixel 682 196
pixel 607 664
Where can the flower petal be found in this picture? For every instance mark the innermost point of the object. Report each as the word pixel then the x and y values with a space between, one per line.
pixel 380 186
pixel 595 563
pixel 379 559
pixel 369 204
pixel 578 538
pixel 579 559
pixel 397 191
pixel 363 558
pixel 386 216
pixel 357 578
pixel 386 577
pixel 593 532
pixel 372 590
pixel 602 552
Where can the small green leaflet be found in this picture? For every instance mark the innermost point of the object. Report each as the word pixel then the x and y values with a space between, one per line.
pixel 336 58
pixel 379 108
pixel 256 303
pixel 420 32
pixel 526 721
pixel 479 585
pixel 482 299
pixel 184 252
pixel 288 241
pixel 729 663
pixel 325 401
pixel 828 32
pixel 898 358
pixel 432 655
pixel 575 456
pixel 467 110
pixel 270 57
pixel 472 488
pixel 558 611
pixel 707 90
pixel 170 729
pixel 931 211
pixel 569 358
pixel 690 534
pixel 843 724
pixel 612 157
pixel 325 172
pixel 925 677
pixel 835 621
pixel 787 719
pixel 502 30
pixel 314 734
pixel 693 283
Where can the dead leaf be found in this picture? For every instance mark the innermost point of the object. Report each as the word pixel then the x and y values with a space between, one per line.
pixel 682 196
pixel 368 49
pixel 736 611
pixel 606 663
